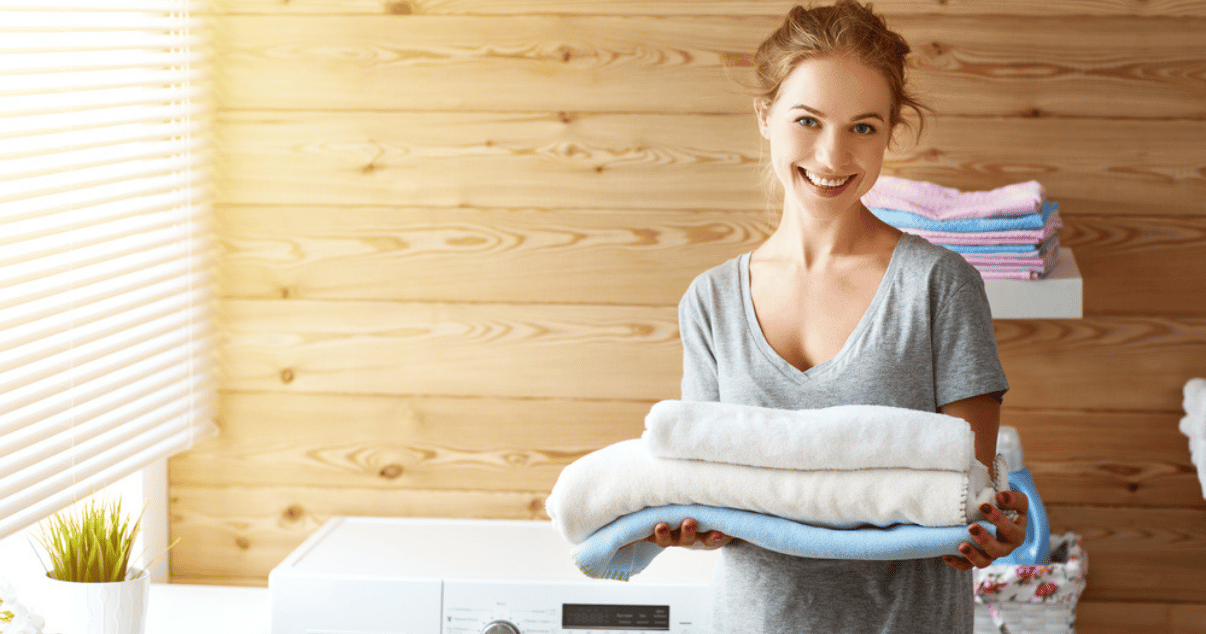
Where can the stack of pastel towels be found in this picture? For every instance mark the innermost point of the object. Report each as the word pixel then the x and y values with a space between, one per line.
pixel 1006 233
pixel 845 482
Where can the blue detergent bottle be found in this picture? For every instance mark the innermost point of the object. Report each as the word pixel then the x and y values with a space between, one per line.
pixel 1037 547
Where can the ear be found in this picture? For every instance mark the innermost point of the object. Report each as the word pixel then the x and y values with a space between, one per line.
pixel 763 113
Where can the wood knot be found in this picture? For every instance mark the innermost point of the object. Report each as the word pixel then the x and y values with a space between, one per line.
pixel 536 506
pixel 935 49
pixel 566 54
pixel 390 471
pixel 294 513
pixel 1132 487
pixel 243 543
pixel 599 169
pixel 286 292
pixel 399 8
pixel 287 375
pixel 565 117
pixel 1033 113
pixel 368 169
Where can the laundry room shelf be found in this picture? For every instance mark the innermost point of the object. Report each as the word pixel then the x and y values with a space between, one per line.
pixel 1060 295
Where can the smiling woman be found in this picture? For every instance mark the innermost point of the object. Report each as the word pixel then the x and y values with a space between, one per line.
pixel 836 308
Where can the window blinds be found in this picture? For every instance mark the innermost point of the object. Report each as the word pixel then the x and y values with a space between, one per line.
pixel 106 337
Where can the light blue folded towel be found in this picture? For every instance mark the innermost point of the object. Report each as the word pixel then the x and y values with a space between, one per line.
pixel 906 220
pixel 1012 249
pixel 607 555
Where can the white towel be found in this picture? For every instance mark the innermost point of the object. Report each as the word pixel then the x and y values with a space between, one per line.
pixel 1193 425
pixel 842 437
pixel 624 478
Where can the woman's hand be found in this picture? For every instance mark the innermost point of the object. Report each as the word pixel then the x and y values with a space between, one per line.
pixel 1010 533
pixel 686 536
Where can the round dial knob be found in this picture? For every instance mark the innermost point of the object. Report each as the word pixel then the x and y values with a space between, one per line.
pixel 500 627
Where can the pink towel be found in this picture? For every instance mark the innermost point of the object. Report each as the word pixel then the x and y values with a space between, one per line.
pixel 1035 262
pixel 944 203
pixel 1010 275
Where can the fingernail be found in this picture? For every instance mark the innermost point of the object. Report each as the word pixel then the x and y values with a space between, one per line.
pixel 975 530
pixel 965 549
pixel 986 508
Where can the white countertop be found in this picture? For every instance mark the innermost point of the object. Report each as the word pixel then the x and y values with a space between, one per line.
pixel 194 609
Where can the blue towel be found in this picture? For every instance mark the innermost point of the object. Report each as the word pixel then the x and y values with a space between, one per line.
pixel 1029 222
pixel 604 555
pixel 1015 249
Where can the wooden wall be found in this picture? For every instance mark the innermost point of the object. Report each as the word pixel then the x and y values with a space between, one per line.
pixel 454 233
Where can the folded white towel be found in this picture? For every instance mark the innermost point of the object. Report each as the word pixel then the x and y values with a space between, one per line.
pixel 1193 425
pixel 624 478
pixel 843 437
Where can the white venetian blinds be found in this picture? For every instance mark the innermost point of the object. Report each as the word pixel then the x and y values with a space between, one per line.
pixel 106 358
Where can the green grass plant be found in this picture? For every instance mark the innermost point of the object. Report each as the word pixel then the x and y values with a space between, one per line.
pixel 91 544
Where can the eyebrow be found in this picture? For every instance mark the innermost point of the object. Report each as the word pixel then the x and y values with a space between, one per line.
pixel 867 115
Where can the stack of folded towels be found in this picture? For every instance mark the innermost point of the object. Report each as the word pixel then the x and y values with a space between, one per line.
pixel 1006 233
pixel 845 482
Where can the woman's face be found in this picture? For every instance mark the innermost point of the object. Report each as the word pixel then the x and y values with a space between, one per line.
pixel 828 130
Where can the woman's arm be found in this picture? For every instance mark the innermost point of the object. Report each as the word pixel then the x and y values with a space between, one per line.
pixel 983 413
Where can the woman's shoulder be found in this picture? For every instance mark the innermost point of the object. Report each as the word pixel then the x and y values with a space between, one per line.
pixel 724 278
pixel 935 264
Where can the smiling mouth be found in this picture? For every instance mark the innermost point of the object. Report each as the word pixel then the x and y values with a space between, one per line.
pixel 827 183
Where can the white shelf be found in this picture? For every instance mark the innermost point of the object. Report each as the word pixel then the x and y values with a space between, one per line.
pixel 1060 295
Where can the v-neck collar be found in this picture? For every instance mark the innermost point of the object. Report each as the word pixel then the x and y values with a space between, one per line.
pixel 751 318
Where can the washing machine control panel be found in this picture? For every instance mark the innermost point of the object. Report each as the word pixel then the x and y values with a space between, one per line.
pixel 597 607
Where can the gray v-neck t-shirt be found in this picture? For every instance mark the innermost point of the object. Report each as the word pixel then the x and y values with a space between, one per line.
pixel 926 340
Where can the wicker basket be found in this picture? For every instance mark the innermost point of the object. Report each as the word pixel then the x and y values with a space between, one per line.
pixel 1013 599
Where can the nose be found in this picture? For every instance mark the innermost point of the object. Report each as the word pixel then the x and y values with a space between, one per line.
pixel 833 148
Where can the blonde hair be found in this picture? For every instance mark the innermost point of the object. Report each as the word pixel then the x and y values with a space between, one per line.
pixel 845 28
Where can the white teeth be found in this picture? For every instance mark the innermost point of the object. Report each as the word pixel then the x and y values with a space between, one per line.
pixel 823 182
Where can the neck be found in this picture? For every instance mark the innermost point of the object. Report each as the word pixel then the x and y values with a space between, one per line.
pixel 813 239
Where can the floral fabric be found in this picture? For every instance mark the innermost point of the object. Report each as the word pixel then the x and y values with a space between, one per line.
pixel 1059 582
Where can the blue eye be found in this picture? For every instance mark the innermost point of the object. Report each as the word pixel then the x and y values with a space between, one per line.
pixel 864 128
pixel 807 122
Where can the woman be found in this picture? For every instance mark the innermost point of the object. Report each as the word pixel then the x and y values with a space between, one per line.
pixel 837 307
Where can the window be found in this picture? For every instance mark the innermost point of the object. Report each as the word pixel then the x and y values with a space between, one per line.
pixel 106 335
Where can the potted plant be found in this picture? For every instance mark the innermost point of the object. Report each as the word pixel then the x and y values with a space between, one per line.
pixel 90 570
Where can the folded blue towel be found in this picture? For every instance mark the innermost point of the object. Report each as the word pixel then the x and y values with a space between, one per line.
pixel 606 554
pixel 906 220
pixel 1013 249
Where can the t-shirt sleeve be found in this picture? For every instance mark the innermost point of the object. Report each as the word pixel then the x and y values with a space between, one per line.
pixel 966 363
pixel 699 360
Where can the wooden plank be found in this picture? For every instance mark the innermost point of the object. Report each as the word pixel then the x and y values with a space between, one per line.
pixel 660 161
pixel 1106 457
pixel 983 65
pixel 1139 265
pixel 484 444
pixel 236 535
pixel 1137 554
pixel 643 257
pixel 1132 265
pixel 1128 617
pixel 633 353
pixel 1072 8
pixel 1100 363
pixel 483 350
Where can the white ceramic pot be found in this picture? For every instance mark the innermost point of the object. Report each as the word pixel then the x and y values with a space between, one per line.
pixel 101 608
